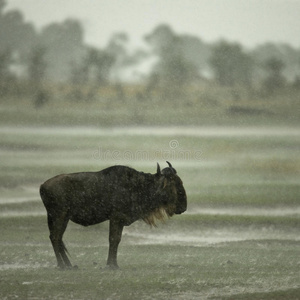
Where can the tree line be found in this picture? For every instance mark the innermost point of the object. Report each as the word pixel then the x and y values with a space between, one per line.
pixel 58 53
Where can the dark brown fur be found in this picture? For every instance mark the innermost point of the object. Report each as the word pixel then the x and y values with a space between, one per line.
pixel 119 194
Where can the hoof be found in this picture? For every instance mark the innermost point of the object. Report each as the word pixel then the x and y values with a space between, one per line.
pixel 112 267
pixel 67 268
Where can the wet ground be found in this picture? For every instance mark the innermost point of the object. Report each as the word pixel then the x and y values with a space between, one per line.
pixel 240 234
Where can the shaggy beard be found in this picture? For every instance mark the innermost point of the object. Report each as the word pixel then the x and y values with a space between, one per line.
pixel 159 214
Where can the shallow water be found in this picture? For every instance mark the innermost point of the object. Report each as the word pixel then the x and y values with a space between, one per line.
pixel 158 131
pixel 206 237
pixel 16 266
pixel 17 214
pixel 15 200
pixel 275 212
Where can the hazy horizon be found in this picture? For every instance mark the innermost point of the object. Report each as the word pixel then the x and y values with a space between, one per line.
pixel 248 22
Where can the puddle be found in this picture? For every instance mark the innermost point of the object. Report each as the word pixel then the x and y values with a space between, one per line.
pixel 205 237
pixel 271 212
pixel 17 200
pixel 275 212
pixel 16 214
pixel 157 131
pixel 179 239
pixel 16 266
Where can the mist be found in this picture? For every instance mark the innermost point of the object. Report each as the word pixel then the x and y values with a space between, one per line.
pixel 221 103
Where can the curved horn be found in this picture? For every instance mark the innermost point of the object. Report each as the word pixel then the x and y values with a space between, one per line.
pixel 170 166
pixel 158 169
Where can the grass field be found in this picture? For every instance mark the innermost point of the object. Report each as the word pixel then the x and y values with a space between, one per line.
pixel 239 238
pixel 207 105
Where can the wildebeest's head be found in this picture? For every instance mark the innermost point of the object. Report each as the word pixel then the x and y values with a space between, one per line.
pixel 170 195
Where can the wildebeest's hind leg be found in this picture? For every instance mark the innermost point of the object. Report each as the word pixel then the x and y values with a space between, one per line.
pixel 57 225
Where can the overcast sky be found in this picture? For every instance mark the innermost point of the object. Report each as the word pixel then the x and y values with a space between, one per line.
pixel 250 22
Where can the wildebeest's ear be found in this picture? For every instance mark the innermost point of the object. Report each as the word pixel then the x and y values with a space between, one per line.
pixel 158 170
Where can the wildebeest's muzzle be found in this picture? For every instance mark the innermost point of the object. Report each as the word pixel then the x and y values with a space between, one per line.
pixel 181 205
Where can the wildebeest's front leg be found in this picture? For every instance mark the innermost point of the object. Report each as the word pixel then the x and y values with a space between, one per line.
pixel 115 234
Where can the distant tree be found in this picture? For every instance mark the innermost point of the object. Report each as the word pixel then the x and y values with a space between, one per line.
pixel 36 71
pixel 2 5
pixel 5 60
pixel 174 71
pixel 275 79
pixel 99 64
pixel 64 44
pixel 286 53
pixel 296 80
pixel 16 40
pixel 296 83
pixel 37 65
pixel 117 47
pixel 192 48
pixel 161 39
pixel 231 65
pixel 15 33
pixel 78 73
pixel 93 70
pixel 77 78
pixel 5 74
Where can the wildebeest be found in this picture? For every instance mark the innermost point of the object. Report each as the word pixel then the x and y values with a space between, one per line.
pixel 119 194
